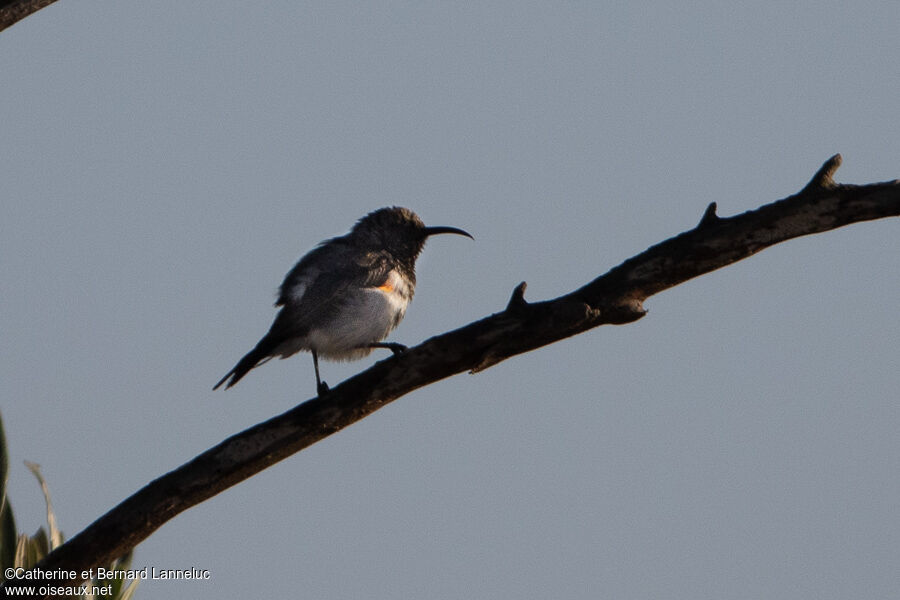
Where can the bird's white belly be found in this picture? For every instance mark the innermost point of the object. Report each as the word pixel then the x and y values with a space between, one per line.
pixel 368 317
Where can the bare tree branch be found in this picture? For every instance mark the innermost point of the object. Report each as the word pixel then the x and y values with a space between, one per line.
pixel 13 11
pixel 613 298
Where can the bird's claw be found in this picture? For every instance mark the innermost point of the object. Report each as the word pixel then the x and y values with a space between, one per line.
pixel 322 388
pixel 392 346
pixel 396 348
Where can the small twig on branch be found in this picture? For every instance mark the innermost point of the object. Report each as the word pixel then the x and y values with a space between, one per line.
pixel 517 302
pixel 709 216
pixel 613 298
pixel 824 177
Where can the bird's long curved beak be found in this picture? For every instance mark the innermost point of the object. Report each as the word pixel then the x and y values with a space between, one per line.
pixel 438 230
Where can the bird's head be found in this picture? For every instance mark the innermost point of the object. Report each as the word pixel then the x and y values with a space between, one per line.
pixel 398 230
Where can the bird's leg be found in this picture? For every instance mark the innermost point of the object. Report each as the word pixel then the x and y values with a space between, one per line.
pixel 392 346
pixel 321 386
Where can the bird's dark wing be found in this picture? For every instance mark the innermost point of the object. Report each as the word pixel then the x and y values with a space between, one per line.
pixel 311 293
pixel 330 252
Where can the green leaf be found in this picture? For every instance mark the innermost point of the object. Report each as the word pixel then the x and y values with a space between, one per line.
pixel 40 544
pixel 29 550
pixel 118 583
pixel 4 465
pixel 129 591
pixel 7 538
pixel 56 538
pixel 22 544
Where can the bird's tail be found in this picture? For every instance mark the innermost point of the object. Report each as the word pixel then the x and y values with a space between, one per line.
pixel 253 359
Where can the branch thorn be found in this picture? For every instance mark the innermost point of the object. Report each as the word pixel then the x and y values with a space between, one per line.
pixel 517 300
pixel 823 179
pixel 709 216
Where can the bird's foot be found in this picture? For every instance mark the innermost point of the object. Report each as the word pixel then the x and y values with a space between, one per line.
pixel 392 346
pixel 396 348
pixel 322 388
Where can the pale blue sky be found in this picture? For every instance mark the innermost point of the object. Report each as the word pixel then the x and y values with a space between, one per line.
pixel 166 163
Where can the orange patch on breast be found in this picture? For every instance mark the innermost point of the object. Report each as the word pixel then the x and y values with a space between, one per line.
pixel 386 287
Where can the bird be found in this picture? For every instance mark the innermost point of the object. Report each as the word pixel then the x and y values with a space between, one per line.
pixel 347 294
